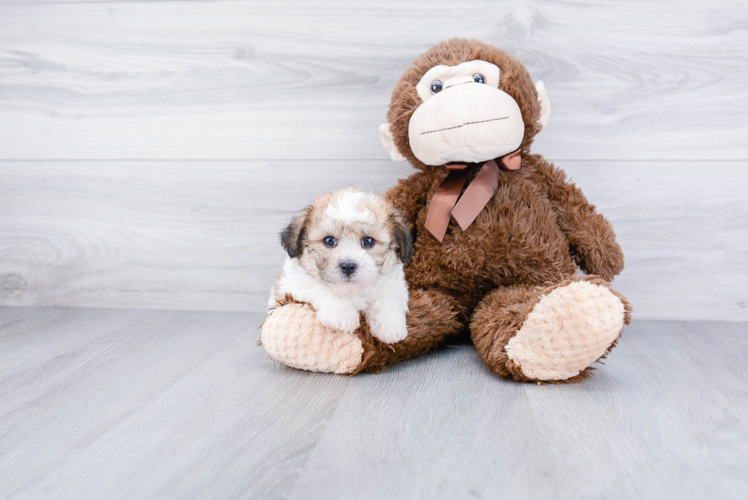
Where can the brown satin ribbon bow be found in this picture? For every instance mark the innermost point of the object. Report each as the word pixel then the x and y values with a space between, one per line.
pixel 480 191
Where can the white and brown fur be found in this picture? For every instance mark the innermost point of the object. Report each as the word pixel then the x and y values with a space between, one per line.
pixel 314 272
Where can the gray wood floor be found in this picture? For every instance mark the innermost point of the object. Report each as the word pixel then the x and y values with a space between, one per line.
pixel 98 403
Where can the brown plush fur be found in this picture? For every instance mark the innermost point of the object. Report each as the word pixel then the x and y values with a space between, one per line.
pixel 528 239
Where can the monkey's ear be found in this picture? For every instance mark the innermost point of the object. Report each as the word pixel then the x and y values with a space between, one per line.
pixel 545 104
pixel 292 234
pixel 401 236
pixel 389 144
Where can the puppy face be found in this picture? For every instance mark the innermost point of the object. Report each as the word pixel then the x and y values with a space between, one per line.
pixel 347 238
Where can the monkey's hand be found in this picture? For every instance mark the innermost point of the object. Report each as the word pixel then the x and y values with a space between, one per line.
pixel 594 247
pixel 591 237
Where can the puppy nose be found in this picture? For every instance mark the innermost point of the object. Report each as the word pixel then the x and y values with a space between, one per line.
pixel 348 267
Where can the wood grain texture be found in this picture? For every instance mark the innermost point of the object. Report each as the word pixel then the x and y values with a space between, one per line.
pixel 188 393
pixel 160 235
pixel 203 235
pixel 311 80
pixel 154 404
pixel 280 88
pixel 654 422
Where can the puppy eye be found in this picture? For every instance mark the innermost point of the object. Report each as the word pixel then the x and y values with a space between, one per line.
pixel 436 86
pixel 478 78
pixel 367 242
pixel 329 241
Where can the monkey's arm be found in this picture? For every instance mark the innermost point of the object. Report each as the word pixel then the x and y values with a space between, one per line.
pixel 591 237
pixel 409 196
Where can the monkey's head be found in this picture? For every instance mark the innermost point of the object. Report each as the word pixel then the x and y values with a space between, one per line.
pixel 463 101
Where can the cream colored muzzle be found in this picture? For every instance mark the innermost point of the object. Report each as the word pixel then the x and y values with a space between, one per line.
pixel 466 122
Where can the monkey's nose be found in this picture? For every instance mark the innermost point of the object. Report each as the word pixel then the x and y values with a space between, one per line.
pixel 348 267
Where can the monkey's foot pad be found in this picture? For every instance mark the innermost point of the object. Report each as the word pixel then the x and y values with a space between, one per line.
pixel 568 329
pixel 293 336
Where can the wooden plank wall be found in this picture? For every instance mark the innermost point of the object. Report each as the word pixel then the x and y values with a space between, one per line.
pixel 150 151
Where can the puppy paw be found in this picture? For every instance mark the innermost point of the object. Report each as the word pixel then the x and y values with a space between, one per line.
pixel 387 330
pixel 345 320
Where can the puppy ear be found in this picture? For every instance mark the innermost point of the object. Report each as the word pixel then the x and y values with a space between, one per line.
pixel 293 233
pixel 401 236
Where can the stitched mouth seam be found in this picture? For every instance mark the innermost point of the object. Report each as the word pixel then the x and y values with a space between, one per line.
pixel 468 123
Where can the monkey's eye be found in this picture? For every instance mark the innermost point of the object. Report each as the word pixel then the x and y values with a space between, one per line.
pixel 436 86
pixel 329 241
pixel 478 78
pixel 368 242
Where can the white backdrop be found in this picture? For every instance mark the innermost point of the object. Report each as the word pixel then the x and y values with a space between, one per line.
pixel 151 151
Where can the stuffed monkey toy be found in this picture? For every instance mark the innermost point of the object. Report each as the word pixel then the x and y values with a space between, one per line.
pixel 497 232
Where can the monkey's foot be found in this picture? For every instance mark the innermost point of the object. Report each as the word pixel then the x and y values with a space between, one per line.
pixel 569 328
pixel 293 336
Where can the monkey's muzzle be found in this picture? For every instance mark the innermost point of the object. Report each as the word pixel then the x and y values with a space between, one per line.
pixel 469 123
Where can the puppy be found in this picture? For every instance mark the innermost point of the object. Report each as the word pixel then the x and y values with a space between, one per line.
pixel 345 255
